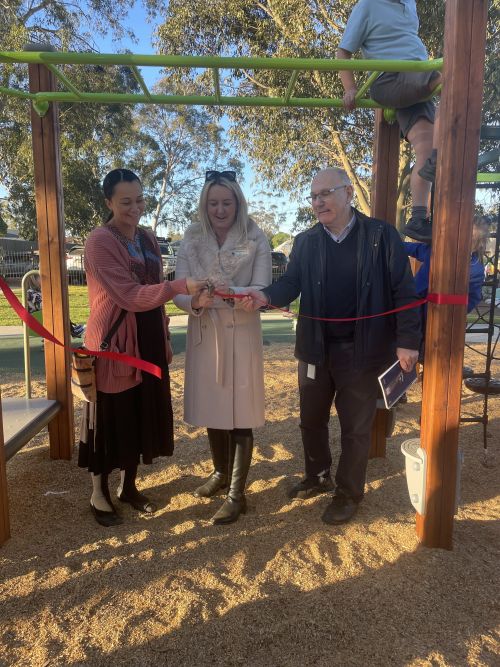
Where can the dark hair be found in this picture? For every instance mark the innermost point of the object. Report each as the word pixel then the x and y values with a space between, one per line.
pixel 112 179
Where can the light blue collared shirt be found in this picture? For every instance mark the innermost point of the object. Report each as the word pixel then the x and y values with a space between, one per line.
pixel 384 30
pixel 344 233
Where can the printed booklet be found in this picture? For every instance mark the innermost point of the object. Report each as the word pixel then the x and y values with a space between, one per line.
pixel 394 382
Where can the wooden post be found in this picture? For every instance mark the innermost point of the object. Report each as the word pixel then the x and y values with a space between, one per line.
pixel 460 121
pixel 383 206
pixel 50 220
pixel 4 500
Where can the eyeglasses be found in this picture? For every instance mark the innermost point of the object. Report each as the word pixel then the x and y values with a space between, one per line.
pixel 324 194
pixel 214 175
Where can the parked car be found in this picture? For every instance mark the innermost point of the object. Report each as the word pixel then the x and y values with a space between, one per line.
pixel 168 258
pixel 279 261
pixel 74 265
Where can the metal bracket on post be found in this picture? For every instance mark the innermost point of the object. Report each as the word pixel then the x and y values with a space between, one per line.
pixel 416 464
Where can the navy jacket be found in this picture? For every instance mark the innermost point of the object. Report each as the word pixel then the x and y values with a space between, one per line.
pixel 384 282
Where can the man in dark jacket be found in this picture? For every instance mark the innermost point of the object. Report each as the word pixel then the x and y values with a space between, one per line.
pixel 346 266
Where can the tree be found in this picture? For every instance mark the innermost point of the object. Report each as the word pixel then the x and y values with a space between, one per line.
pixel 279 238
pixel 176 146
pixel 288 145
pixel 266 217
pixel 93 138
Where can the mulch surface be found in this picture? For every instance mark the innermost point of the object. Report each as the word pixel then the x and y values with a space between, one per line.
pixel 279 587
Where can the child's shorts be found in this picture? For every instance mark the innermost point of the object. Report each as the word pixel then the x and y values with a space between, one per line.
pixel 404 91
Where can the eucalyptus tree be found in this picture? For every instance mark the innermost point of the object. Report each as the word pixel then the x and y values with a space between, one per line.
pixel 175 146
pixel 93 138
pixel 288 145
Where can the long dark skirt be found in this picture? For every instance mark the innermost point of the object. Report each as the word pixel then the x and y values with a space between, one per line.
pixel 121 428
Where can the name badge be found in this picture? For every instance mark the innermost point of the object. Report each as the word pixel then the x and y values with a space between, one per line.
pixel 240 251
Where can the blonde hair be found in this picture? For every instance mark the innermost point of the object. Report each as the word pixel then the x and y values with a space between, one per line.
pixel 480 230
pixel 242 219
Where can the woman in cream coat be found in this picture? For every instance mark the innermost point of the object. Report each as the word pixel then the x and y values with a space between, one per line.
pixel 224 379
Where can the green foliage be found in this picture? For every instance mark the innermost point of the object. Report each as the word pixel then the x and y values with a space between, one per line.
pixel 93 138
pixel 175 146
pixel 279 238
pixel 288 145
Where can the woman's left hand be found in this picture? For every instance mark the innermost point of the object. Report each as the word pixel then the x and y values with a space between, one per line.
pixel 170 352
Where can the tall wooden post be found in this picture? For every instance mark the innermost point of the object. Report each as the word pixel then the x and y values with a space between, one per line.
pixel 4 500
pixel 460 121
pixel 51 238
pixel 384 199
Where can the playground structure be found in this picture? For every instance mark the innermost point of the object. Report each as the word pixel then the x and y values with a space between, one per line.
pixel 463 70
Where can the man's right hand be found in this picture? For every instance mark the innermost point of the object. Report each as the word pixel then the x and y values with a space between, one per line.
pixel 253 300
pixel 349 99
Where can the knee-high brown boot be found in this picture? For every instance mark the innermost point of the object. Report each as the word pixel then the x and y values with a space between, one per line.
pixel 219 448
pixel 235 503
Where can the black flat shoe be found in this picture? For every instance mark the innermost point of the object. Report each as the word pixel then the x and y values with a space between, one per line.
pixel 311 486
pixel 105 519
pixel 138 501
pixel 340 510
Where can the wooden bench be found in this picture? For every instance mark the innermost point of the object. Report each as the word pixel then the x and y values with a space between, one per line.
pixel 22 419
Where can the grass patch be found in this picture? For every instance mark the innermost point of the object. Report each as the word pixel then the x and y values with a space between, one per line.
pixel 78 307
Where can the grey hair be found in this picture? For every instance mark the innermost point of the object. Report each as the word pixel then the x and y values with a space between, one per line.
pixel 242 219
pixel 338 172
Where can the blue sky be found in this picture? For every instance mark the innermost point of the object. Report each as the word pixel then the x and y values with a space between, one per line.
pixel 137 20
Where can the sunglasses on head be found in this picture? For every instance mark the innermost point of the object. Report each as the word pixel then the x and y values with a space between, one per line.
pixel 214 175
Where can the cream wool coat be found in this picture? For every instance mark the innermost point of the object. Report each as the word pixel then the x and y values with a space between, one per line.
pixel 224 373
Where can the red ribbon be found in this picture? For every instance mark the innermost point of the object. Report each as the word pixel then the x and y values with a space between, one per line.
pixel 439 299
pixel 42 331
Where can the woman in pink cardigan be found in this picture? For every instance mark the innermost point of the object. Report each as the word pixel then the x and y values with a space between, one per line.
pixel 132 417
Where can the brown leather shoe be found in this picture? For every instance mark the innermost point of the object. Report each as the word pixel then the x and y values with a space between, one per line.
pixel 340 510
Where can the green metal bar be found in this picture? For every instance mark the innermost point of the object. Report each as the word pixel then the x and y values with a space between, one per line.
pixel 13 92
pixel 291 86
pixel 64 79
pixel 209 100
pixel 215 74
pixel 488 178
pixel 366 85
pixel 221 62
pixel 140 80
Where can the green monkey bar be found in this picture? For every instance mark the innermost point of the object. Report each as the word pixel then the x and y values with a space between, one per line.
pixel 296 66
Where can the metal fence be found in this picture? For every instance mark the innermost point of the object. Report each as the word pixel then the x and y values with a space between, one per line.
pixel 14 264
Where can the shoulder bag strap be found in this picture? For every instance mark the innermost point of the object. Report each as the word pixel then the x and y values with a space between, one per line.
pixel 105 343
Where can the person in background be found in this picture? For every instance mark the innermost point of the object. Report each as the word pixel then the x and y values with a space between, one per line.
pixel 224 378
pixel 132 417
pixel 388 30
pixel 34 303
pixel 422 252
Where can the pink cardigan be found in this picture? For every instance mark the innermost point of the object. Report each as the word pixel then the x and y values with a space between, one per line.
pixel 112 286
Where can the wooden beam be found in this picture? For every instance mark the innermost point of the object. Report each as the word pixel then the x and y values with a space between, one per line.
pixel 384 197
pixel 4 499
pixel 460 124
pixel 51 238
